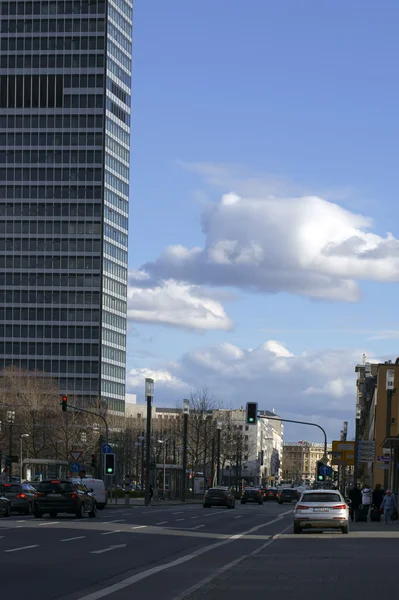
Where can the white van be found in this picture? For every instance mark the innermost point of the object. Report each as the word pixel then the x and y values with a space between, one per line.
pixel 98 490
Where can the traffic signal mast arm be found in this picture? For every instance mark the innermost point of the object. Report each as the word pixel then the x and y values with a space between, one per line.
pixel 90 412
pixel 300 423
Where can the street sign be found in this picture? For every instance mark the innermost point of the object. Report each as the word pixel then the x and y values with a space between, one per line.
pixel 383 466
pixel 325 470
pixel 343 453
pixel 76 454
pixel 366 451
pixel 383 459
pixel 106 448
pixel 75 467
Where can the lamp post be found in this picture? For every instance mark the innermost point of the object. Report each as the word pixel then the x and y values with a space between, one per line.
pixel 21 464
pixel 186 411
pixel 10 420
pixel 219 425
pixel 163 442
pixel 149 394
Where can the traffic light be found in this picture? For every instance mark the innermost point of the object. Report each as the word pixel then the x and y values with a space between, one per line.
pixel 93 460
pixel 252 413
pixel 64 403
pixel 335 475
pixel 320 471
pixel 109 464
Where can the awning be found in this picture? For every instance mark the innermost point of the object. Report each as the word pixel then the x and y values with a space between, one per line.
pixel 391 442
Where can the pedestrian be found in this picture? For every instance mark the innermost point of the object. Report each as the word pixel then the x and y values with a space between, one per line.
pixel 388 505
pixel 355 496
pixel 151 490
pixel 378 495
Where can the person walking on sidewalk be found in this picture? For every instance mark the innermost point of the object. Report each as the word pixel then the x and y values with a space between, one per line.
pixel 355 496
pixel 388 505
pixel 378 495
pixel 367 497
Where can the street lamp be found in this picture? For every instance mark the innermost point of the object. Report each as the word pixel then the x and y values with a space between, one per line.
pixel 149 394
pixel 21 467
pixel 10 420
pixel 164 465
pixel 219 426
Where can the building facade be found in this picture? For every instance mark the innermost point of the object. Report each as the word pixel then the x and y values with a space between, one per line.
pixel 65 81
pixel 299 460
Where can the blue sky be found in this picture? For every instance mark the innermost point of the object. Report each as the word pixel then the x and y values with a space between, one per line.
pixel 263 99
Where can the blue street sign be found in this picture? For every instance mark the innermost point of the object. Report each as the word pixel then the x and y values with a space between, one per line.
pixel 326 470
pixel 106 449
pixel 75 467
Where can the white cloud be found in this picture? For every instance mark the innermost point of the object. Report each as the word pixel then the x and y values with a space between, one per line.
pixel 262 242
pixel 318 387
pixel 174 303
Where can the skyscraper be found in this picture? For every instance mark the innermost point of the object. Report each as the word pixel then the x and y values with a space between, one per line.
pixel 65 80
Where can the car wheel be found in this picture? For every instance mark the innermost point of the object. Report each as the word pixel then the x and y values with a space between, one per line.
pixel 53 515
pixel 297 529
pixel 81 512
pixel 345 529
pixel 93 513
pixel 38 514
pixel 206 505
pixel 29 510
pixel 100 506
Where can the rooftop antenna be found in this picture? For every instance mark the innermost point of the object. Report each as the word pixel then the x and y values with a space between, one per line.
pixel 364 359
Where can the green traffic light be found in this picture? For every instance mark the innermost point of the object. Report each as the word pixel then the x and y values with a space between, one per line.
pixel 251 419
pixel 320 477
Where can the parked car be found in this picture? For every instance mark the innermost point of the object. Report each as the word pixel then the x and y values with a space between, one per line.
pixel 55 496
pixel 219 496
pixel 287 495
pixel 321 509
pixel 20 495
pixel 252 495
pixel 5 506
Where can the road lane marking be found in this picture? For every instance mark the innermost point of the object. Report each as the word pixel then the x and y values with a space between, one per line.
pixel 78 537
pixel 197 527
pixel 49 523
pixel 22 548
pixel 194 517
pixel 115 521
pixel 178 513
pixel 108 549
pixel 239 517
pixel 111 532
pixel 125 583
pixel 161 523
pixel 139 527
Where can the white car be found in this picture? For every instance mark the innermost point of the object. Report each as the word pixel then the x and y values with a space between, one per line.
pixel 321 509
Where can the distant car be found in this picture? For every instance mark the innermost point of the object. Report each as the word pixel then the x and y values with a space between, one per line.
pixel 321 509
pixel 55 496
pixel 219 496
pixel 5 506
pixel 270 493
pixel 287 495
pixel 98 488
pixel 20 495
pixel 252 495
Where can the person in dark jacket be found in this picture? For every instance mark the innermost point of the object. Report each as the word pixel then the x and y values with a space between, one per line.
pixel 355 496
pixel 378 496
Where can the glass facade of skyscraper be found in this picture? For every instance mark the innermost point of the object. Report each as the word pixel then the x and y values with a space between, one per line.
pixel 65 80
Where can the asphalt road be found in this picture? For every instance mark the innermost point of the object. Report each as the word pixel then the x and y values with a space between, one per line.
pixel 190 553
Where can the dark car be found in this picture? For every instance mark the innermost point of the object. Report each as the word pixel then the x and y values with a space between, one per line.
pixel 5 506
pixel 55 496
pixel 20 495
pixel 287 495
pixel 219 496
pixel 270 493
pixel 252 495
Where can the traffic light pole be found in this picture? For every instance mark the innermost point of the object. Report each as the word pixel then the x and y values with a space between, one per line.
pixel 300 423
pixel 90 412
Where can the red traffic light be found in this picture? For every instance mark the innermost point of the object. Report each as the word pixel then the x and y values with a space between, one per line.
pixel 64 403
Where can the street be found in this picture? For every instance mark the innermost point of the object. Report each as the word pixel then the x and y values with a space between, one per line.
pixel 185 552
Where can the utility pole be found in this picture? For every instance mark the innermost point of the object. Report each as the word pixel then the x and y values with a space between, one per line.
pixel 149 393
pixel 219 428
pixel 142 458
pixel 186 411
pixel 10 420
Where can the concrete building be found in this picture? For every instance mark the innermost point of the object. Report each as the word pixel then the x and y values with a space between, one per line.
pixel 299 460
pixel 65 80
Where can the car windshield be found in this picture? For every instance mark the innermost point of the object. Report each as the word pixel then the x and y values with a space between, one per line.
pixel 62 486
pixel 319 497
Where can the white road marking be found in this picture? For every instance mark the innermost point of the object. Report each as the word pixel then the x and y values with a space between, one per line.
pixel 21 521
pixel 194 517
pixel 239 517
pixel 179 520
pixel 161 523
pixel 108 549
pixel 121 585
pixel 115 521
pixel 139 527
pixel 178 513
pixel 49 523
pixel 197 527
pixel 111 532
pixel 2 536
pixel 79 537
pixel 22 548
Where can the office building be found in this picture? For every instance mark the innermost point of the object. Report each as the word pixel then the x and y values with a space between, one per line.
pixel 65 81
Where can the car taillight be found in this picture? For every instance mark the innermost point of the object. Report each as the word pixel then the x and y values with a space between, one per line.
pixel 21 496
pixel 340 507
pixel 302 507
pixel 73 495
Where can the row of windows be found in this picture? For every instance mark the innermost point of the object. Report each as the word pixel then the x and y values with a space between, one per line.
pixel 119 56
pixel 65 315
pixel 110 302
pixel 126 7
pixel 61 366
pixel 118 111
pixel 116 148
pixel 114 405
pixel 88 192
pixel 108 370
pixel 49 349
pixel 113 337
pixel 53 7
pixel 116 183
pixel 114 287
pixel 115 252
pixel 31 331
pixel 117 131
pixel 48 297
pixel 113 354
pixel 94 25
pixel 76 385
pixel 119 72
pixel 50 332
pixel 51 61
pixel 51 121
pixel 114 320
pixel 118 92
pixel 84 101
pixel 50 156
pixel 117 166
pixel 119 37
pixel 116 201
pixel 124 24
pixel 51 227
pixel 110 387
pixel 51 139
pixel 31 91
pixel 112 268
pixel 114 234
pixel 115 218
pixel 43 209
pixel 78 263
pixel 50 174
pixel 49 245
pixel 50 280
pixel 12 44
